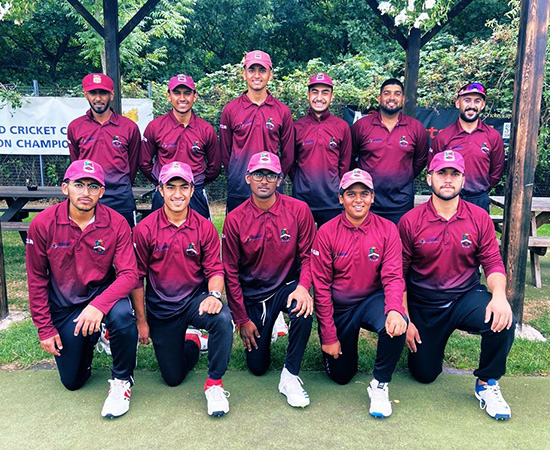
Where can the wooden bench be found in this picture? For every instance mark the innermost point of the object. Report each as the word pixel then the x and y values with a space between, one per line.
pixel 15 226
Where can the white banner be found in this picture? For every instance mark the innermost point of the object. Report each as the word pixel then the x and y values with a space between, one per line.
pixel 40 126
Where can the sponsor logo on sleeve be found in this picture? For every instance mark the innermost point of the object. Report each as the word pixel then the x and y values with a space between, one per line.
pixel 29 241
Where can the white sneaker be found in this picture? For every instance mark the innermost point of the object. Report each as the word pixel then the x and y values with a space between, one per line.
pixel 380 405
pixel 203 338
pixel 491 400
pixel 216 400
pixel 103 343
pixel 280 328
pixel 117 402
pixel 291 386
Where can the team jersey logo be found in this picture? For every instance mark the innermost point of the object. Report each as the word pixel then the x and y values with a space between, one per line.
pixel 373 254
pixel 99 247
pixel 269 124
pixel 403 141
pixel 195 148
pixel 96 79
pixel 466 241
pixel 191 250
pixel 88 167
pixel 484 148
pixel 285 235
pixel 116 141
pixel 333 143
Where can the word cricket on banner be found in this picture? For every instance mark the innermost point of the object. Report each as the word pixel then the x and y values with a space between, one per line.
pixel 39 127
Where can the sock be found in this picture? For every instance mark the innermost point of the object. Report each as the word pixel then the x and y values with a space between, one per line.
pixel 211 382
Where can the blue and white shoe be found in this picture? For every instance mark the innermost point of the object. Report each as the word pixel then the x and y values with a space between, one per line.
pixel 291 387
pixel 491 400
pixel 380 405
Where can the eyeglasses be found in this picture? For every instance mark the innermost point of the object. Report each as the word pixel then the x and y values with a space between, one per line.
pixel 79 188
pixel 259 176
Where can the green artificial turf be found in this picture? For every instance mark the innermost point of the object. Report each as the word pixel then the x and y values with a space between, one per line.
pixel 38 413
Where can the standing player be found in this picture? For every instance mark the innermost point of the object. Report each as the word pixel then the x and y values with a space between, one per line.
pixel 393 148
pixel 181 135
pixel 256 121
pixel 358 282
pixel 103 135
pixel 444 242
pixel 323 152
pixel 81 268
pixel 266 246
pixel 179 252
pixel 479 144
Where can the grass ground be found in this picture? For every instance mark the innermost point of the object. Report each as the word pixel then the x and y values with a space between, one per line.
pixel 38 413
pixel 19 344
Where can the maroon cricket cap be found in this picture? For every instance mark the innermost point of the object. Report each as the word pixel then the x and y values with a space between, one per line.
pixel 181 80
pixel 176 169
pixel 320 78
pixel 472 88
pixel 356 176
pixel 84 168
pixel 265 160
pixel 97 81
pixel 258 57
pixel 447 160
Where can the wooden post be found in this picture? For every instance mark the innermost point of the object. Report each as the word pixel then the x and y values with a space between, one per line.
pixel 532 40
pixel 3 290
pixel 112 48
pixel 412 61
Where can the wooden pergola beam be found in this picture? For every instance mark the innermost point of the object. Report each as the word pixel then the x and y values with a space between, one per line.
pixel 113 37
pixel 522 161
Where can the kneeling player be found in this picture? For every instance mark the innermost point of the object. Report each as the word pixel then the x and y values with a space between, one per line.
pixel 358 283
pixel 179 252
pixel 444 242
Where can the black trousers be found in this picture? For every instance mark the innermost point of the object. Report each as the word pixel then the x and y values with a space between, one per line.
pixel 435 326
pixel 264 315
pixel 177 356
pixel 369 314
pixel 74 364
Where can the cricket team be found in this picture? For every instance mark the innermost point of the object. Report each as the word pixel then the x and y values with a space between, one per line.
pixel 348 246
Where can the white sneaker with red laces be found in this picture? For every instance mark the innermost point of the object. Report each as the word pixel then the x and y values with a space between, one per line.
pixel 117 402
pixel 216 400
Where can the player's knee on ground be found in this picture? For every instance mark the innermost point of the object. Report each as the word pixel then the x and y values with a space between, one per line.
pixel 257 367
pixel 423 375
pixel 75 381
pixel 343 376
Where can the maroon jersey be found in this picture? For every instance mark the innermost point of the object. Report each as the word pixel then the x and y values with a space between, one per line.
pixel 323 155
pixel 482 150
pixel 246 129
pixel 393 159
pixel 166 140
pixel 441 257
pixel 115 145
pixel 67 266
pixel 350 263
pixel 177 261
pixel 262 250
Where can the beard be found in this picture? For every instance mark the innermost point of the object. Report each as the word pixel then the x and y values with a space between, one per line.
pixel 100 110
pixel 445 197
pixel 391 111
pixel 469 119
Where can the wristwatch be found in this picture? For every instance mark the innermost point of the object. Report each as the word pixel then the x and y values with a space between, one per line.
pixel 216 294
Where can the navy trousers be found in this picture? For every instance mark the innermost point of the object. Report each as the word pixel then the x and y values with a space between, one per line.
pixel 369 314
pixel 264 315
pixel 467 313
pixel 74 364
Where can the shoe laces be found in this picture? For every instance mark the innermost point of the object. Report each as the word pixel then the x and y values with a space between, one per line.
pixel 216 393
pixel 294 384
pixel 379 393
pixel 118 388
pixel 495 394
